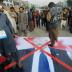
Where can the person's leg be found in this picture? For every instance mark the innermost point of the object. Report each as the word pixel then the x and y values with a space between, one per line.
pixel 20 32
pixel 67 26
pixel 30 26
pixel 52 40
pixel 15 29
pixel 61 24
pixel 24 33
pixel 42 22
pixel 37 23
pixel 33 25
pixel 70 28
pixel 64 24
pixel 53 37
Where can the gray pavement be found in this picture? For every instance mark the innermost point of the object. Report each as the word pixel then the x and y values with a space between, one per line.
pixel 40 32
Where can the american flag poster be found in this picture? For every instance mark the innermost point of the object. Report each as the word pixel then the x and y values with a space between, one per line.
pixel 36 56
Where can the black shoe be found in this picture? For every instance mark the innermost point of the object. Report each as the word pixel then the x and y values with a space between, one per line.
pixel 50 45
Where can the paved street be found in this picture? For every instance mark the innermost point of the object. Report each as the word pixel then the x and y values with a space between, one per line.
pixel 42 33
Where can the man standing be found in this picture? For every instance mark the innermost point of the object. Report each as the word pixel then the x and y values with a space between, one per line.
pixel 13 16
pixel 22 21
pixel 7 45
pixel 70 20
pixel 51 25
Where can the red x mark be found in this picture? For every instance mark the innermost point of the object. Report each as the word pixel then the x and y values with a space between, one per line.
pixel 55 58
pixel 39 48
pixel 25 57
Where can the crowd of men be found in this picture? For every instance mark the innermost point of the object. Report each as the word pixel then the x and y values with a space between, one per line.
pixel 52 20
pixel 24 20
pixel 19 22
pixel 8 50
pixel 64 17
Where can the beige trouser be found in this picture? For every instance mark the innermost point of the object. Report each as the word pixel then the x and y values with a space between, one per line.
pixel 63 23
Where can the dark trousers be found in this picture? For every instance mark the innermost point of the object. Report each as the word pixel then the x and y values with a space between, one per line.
pixel 43 22
pixel 53 36
pixel 70 26
pixel 38 23
pixel 31 25
pixel 8 50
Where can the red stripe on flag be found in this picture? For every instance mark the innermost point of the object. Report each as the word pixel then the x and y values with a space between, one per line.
pixel 59 61
pixel 38 48
pixel 24 57
pixel 55 58
pixel 10 65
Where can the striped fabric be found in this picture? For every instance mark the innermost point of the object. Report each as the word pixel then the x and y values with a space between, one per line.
pixel 41 62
